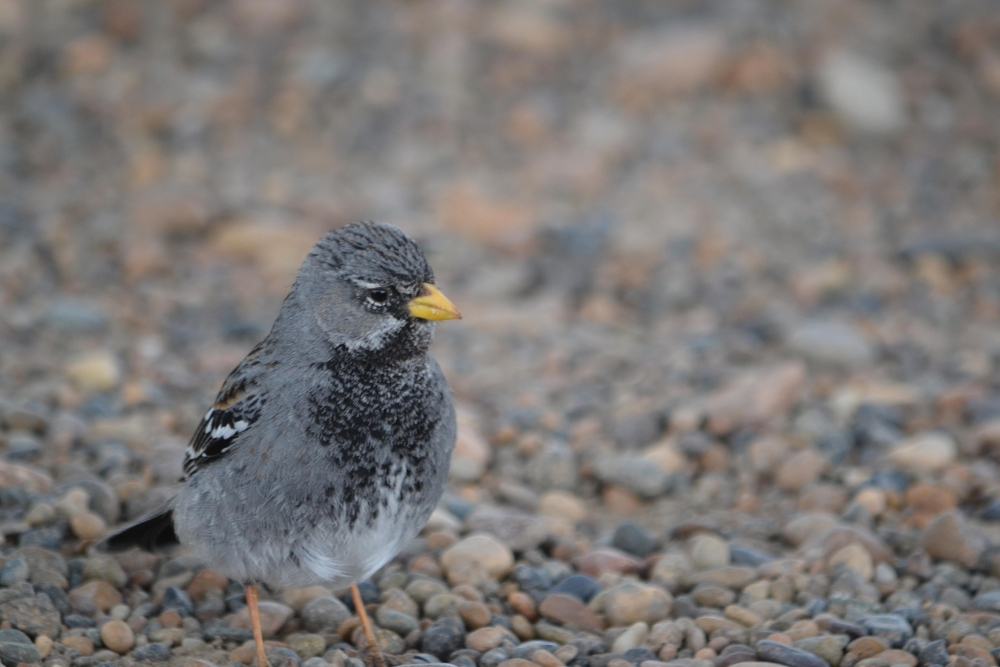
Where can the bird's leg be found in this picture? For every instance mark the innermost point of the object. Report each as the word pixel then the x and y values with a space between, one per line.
pixel 366 627
pixel 258 634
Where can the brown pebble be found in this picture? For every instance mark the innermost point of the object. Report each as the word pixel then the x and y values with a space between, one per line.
pixel 802 630
pixel 516 662
pixel 522 627
pixel 475 614
pixel 101 593
pixel 442 539
pixel 523 604
pixel 425 564
pixel 88 526
pixel 484 639
pixel 570 610
pixel 618 662
pixel 780 638
pixel 170 619
pixel 600 561
pixel 705 654
pixel 118 636
pixel 244 654
pixel 205 582
pixel 898 657
pixel 545 659
pixel 81 644
pixel 668 652
pixel 866 647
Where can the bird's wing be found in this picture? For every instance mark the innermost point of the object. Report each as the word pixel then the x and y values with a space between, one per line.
pixel 237 407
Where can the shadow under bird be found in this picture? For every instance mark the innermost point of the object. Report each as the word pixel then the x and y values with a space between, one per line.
pixel 328 447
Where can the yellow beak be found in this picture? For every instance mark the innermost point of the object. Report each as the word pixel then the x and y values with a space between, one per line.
pixel 433 305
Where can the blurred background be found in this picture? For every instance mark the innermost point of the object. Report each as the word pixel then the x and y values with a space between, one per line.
pixel 707 235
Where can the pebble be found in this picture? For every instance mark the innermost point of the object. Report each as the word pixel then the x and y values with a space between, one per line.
pixel 484 639
pixel 118 636
pixel 578 585
pixel 934 653
pixel 13 572
pixel 950 538
pixel 443 637
pixel 273 615
pixel 927 452
pixel 632 539
pixel 308 645
pixel 570 610
pixel 868 96
pixel 99 594
pixel 82 644
pixel 155 652
pixel 16 647
pixel 88 526
pixel 324 614
pixel 828 647
pixel 631 603
pixel 708 552
pixel 632 638
pixel 32 615
pixel 485 550
pixel 95 371
pixel 895 630
pixel 831 342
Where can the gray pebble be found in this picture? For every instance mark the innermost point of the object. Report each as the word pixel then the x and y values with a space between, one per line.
pixel 788 655
pixel 15 647
pixel 14 571
pixel 156 652
pixel 325 613
pixel 935 653
pixel 895 630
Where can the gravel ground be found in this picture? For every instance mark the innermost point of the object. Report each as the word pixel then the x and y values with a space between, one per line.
pixel 729 376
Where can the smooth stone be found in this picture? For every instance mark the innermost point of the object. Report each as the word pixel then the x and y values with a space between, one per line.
pixel 927 452
pixel 118 636
pixel 868 96
pixel 32 615
pixel 486 550
pixel 788 655
pixel 987 601
pixel 895 630
pixel 324 614
pixel 827 647
pixel 831 342
pixel 307 645
pixel 708 552
pixel 16 647
pixel 632 638
pixel 935 653
pixel 400 623
pixel 578 585
pixel 631 603
pixel 570 610
pixel 443 637
pixel 273 615
pixel 484 639
pixel 13 572
pixel 105 568
pixel 632 539
pixel 949 537
pixel 155 652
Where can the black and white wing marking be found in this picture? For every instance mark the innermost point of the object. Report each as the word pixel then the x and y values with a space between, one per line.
pixel 236 409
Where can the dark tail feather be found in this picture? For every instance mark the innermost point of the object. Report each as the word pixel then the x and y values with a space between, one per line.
pixel 154 532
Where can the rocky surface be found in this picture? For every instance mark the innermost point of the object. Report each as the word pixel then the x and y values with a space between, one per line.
pixel 729 374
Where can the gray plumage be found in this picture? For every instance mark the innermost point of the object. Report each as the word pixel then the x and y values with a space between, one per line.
pixel 328 446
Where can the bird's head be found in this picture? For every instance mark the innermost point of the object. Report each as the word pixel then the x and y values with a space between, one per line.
pixel 371 289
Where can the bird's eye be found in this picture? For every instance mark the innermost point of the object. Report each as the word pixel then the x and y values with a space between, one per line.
pixel 378 295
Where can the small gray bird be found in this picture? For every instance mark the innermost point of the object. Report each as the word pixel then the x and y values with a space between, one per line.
pixel 328 447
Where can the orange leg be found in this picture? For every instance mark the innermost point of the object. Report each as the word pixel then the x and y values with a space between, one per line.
pixel 366 627
pixel 258 634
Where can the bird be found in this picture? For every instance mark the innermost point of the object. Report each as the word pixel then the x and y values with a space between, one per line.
pixel 328 446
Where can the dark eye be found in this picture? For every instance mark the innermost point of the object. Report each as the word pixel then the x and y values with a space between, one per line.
pixel 378 295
